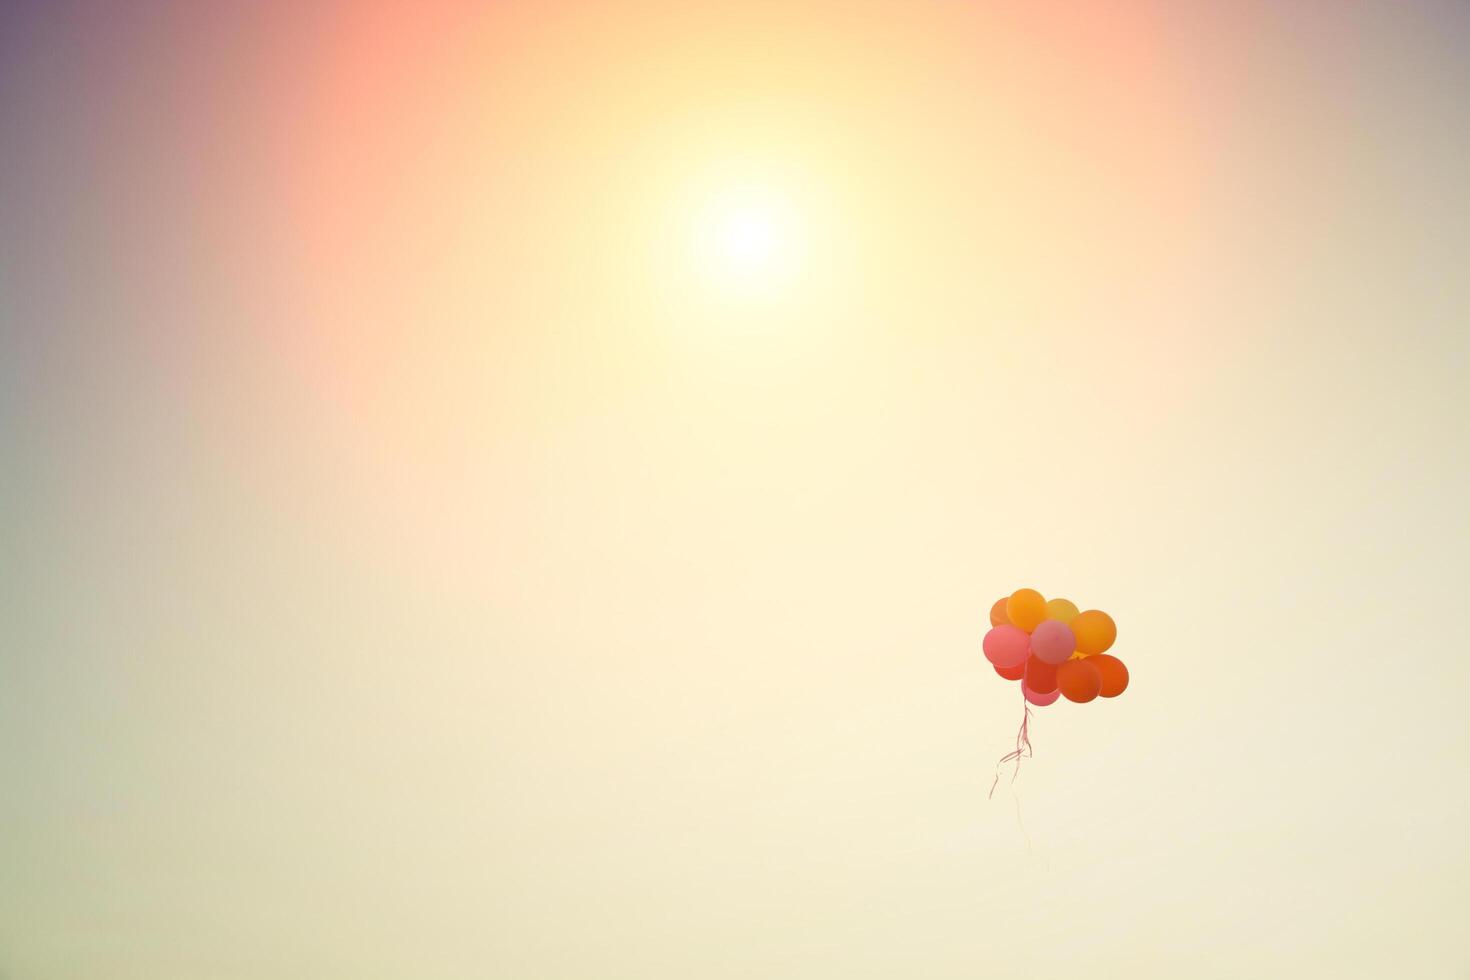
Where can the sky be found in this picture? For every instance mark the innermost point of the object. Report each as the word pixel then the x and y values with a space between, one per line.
pixel 516 490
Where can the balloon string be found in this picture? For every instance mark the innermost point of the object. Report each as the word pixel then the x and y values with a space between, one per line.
pixel 1022 749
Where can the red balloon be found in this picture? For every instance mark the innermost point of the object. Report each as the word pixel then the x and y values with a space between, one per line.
pixel 1079 680
pixel 1011 673
pixel 1041 676
pixel 1114 674
pixel 998 615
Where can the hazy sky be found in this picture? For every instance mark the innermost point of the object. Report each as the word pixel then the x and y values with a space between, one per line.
pixel 515 490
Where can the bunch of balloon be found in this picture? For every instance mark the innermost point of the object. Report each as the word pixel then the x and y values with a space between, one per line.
pixel 1055 652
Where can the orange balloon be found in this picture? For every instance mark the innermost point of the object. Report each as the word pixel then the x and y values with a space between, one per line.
pixel 1041 676
pixel 1079 680
pixel 1012 673
pixel 1026 609
pixel 998 615
pixel 1095 631
pixel 1114 674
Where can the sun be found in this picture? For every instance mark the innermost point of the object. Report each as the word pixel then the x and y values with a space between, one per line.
pixel 749 239
pixel 748 242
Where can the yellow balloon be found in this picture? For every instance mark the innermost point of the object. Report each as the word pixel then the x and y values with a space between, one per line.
pixel 1062 610
pixel 1026 608
pixel 1095 631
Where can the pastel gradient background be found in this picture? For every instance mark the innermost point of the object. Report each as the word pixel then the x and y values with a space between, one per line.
pixel 410 565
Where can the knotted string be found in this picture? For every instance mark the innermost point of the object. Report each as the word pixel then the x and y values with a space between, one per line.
pixel 1022 749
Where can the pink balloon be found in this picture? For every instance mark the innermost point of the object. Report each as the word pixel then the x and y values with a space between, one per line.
pixel 1040 700
pixel 1053 641
pixel 1007 646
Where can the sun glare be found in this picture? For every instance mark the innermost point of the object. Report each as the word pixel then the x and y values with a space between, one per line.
pixel 748 242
